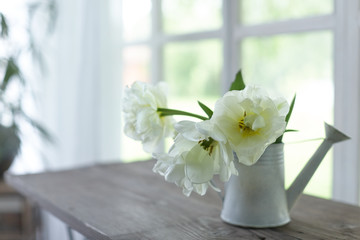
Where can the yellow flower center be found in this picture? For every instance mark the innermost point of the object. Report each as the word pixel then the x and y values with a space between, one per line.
pixel 244 129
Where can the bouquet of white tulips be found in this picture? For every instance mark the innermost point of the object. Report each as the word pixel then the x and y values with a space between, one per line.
pixel 245 121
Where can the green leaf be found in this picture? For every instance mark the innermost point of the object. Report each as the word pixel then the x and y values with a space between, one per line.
pixel 171 112
pixel 4 27
pixel 238 83
pixel 279 139
pixel 291 130
pixel 207 110
pixel 287 118
pixel 11 70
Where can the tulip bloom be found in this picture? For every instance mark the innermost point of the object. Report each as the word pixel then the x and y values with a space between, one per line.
pixel 250 120
pixel 142 120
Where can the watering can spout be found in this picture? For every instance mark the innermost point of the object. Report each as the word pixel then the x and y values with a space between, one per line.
pixel 333 135
pixel 297 187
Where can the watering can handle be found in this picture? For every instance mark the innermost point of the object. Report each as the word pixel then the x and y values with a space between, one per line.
pixel 297 187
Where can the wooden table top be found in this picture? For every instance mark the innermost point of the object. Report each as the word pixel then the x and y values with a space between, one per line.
pixel 129 201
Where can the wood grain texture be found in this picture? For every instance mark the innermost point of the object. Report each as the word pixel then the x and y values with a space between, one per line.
pixel 129 201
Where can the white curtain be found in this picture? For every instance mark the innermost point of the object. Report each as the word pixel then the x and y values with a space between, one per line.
pixel 82 93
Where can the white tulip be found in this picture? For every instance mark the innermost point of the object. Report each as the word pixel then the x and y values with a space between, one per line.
pixel 142 120
pixel 250 121
pixel 195 158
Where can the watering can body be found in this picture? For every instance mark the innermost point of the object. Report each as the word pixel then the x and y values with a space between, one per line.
pixel 257 197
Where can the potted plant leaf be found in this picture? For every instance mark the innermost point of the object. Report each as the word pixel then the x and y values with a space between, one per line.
pixel 14 87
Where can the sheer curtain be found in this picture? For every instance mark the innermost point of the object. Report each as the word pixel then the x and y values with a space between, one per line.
pixel 81 95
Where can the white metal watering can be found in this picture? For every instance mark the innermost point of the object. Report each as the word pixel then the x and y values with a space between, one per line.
pixel 257 198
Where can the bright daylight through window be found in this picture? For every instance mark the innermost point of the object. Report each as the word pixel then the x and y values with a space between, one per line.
pixel 285 46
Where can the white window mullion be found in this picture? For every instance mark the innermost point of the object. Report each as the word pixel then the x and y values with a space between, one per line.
pixel 237 40
pixel 283 27
pixel 137 43
pixel 347 109
pixel 156 46
pixel 230 52
pixel 162 39
pixel 190 36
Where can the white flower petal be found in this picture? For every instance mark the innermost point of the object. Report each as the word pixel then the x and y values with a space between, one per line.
pixel 175 173
pixel 258 123
pixel 201 188
pixel 181 145
pixel 282 105
pixel 188 130
pixel 142 121
pixel 199 166
pixel 251 121
pixel 208 128
pixel 191 163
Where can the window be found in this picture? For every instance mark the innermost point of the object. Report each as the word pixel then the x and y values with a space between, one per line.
pixel 286 46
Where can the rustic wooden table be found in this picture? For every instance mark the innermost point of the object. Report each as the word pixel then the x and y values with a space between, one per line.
pixel 129 201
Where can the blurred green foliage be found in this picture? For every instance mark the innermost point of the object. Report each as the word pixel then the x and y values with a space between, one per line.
pixel 263 11
pixel 286 62
pixel 185 16
pixel 193 69
pixel 13 83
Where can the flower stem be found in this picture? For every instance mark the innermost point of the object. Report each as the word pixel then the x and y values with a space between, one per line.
pixel 169 112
